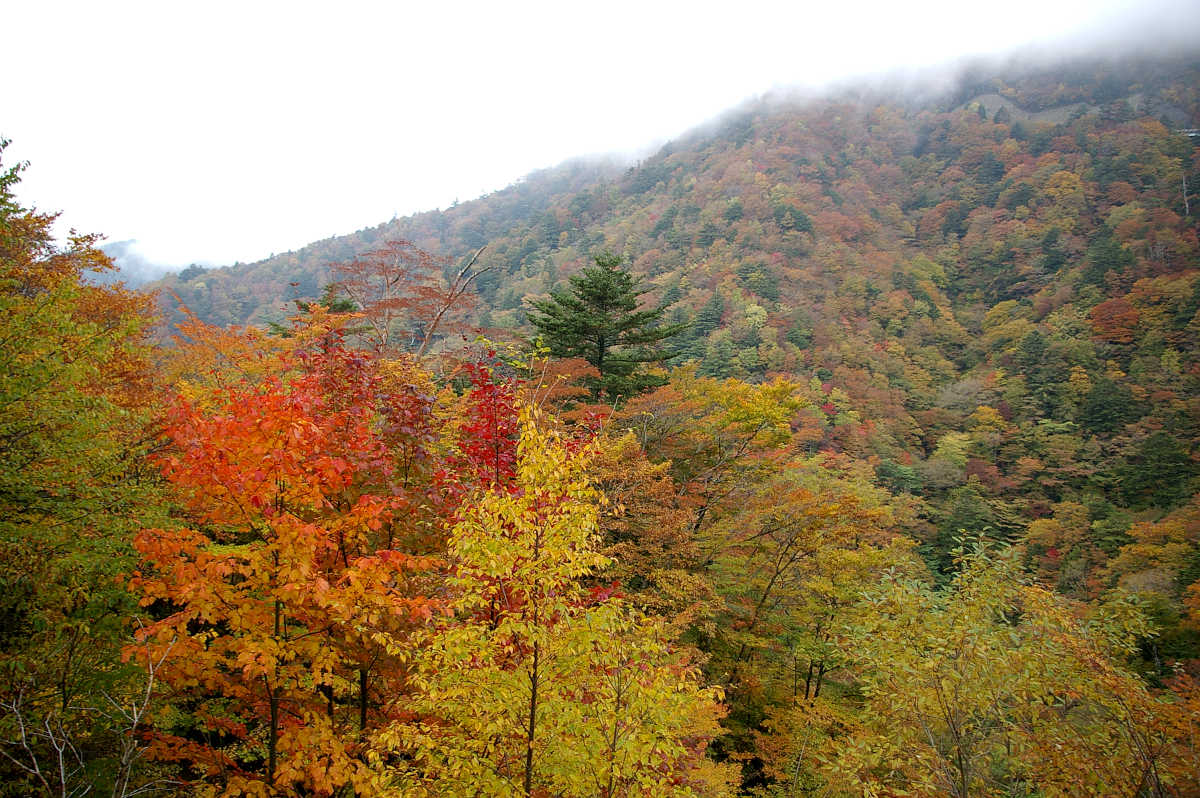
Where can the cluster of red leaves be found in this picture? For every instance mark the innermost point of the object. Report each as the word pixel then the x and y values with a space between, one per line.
pixel 488 437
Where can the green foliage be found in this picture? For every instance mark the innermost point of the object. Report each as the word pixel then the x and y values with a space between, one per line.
pixel 1159 473
pixel 599 320
pixel 899 478
pixel 760 280
pixel 74 487
pixel 993 686
pixel 791 218
pixel 1109 406
pixel 1105 255
pixel 191 273
pixel 708 318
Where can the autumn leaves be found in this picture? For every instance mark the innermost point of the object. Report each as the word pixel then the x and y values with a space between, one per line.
pixel 375 589
pixel 535 685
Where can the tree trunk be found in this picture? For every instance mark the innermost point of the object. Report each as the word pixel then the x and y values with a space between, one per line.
pixel 533 697
pixel 362 699
pixel 273 736
pixel 273 700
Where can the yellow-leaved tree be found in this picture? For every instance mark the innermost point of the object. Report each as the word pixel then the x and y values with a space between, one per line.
pixel 992 686
pixel 536 686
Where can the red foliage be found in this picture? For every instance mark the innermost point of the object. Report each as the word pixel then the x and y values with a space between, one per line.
pixel 1115 320
pixel 488 438
pixel 297 497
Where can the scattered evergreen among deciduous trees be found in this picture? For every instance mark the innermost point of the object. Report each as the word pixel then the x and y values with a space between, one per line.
pixel 922 518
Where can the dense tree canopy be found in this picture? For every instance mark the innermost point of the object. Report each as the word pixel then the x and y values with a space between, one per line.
pixel 917 513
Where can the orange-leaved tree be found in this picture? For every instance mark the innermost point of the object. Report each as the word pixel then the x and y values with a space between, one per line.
pixel 264 606
pixel 404 290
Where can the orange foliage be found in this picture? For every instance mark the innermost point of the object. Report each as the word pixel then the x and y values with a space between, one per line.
pixel 267 606
pixel 1115 320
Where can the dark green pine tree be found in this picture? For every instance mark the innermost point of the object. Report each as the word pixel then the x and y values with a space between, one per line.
pixel 598 320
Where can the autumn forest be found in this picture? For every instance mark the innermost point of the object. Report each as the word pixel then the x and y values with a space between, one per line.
pixel 847 446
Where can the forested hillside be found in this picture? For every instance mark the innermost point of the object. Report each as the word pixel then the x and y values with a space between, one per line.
pixel 995 286
pixel 889 485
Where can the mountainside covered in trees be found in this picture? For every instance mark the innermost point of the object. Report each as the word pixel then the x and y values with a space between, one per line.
pixel 912 510
pixel 994 287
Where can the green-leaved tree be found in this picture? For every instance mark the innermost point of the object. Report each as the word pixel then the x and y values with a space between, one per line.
pixel 599 320
pixel 77 400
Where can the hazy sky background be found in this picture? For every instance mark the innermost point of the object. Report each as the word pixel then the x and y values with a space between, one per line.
pixel 214 132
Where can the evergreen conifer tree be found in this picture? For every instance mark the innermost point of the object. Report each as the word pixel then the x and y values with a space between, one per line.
pixel 599 321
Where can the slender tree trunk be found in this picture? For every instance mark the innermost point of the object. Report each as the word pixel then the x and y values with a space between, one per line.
pixel 64 688
pixel 612 742
pixel 964 767
pixel 529 737
pixel 273 736
pixel 362 699
pixel 273 700
pixel 326 690
pixel 600 348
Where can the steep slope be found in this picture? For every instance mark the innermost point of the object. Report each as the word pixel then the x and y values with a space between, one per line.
pixel 251 293
pixel 997 287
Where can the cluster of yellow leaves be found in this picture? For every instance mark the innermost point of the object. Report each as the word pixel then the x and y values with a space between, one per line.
pixel 532 688
pixel 989 686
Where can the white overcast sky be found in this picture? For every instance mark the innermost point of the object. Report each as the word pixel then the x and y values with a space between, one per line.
pixel 215 132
